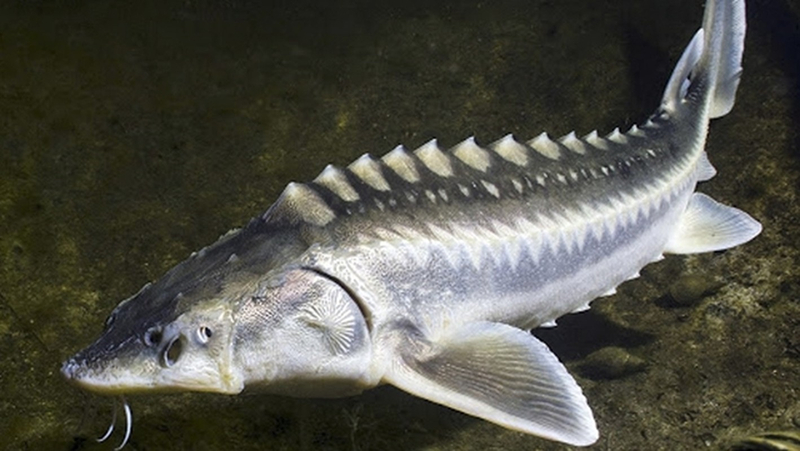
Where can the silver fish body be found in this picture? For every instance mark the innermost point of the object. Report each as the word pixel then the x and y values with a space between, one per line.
pixel 426 269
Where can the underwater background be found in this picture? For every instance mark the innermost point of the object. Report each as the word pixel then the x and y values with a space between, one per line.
pixel 133 133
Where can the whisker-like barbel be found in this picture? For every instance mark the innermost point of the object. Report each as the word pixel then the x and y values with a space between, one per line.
pixel 112 425
pixel 128 423
pixel 126 409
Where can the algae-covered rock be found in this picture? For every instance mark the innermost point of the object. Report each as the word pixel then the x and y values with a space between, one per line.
pixel 611 363
pixel 689 289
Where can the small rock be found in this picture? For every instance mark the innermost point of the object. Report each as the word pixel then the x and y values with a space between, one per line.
pixel 689 289
pixel 611 363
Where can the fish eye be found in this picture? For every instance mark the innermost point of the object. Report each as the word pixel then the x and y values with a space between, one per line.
pixel 152 337
pixel 204 333
pixel 172 352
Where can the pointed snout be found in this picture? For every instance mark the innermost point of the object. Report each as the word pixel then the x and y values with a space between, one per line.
pixel 74 372
pixel 69 369
pixel 81 375
pixel 78 373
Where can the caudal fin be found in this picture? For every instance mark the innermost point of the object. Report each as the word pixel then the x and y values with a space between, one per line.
pixel 711 65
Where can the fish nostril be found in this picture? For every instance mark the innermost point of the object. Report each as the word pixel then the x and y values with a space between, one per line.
pixel 153 336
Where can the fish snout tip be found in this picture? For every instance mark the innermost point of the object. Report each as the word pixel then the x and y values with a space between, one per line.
pixel 70 368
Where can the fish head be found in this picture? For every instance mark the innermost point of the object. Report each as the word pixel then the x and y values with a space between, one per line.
pixel 175 334
pixel 244 311
pixel 180 346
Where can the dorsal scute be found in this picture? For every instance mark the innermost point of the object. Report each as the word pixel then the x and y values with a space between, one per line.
pixel 545 146
pixel 473 155
pixel 636 131
pixel 435 159
pixel 596 141
pixel 300 203
pixel 336 181
pixel 511 150
pixel 369 171
pixel 617 137
pixel 573 143
pixel 402 163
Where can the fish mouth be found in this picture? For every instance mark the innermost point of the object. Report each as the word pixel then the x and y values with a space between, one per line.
pixel 83 376
pixel 70 369
pixel 77 373
pixel 73 372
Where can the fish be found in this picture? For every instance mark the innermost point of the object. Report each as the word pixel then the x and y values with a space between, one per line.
pixel 427 269
pixel 769 441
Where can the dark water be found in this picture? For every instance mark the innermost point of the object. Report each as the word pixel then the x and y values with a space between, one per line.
pixel 132 133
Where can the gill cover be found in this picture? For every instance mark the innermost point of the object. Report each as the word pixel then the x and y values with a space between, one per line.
pixel 303 335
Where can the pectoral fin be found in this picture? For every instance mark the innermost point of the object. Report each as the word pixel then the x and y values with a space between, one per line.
pixel 708 225
pixel 501 374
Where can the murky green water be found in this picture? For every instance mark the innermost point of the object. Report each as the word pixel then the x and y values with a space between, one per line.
pixel 132 133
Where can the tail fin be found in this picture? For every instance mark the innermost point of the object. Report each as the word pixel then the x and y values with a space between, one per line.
pixel 710 67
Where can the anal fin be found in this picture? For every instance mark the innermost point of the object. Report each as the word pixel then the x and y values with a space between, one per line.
pixel 499 373
pixel 708 225
pixel 705 170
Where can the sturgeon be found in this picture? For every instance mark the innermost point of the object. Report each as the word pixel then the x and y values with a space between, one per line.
pixel 426 269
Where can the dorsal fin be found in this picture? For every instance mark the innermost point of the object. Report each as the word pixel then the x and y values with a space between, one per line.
pixel 678 82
